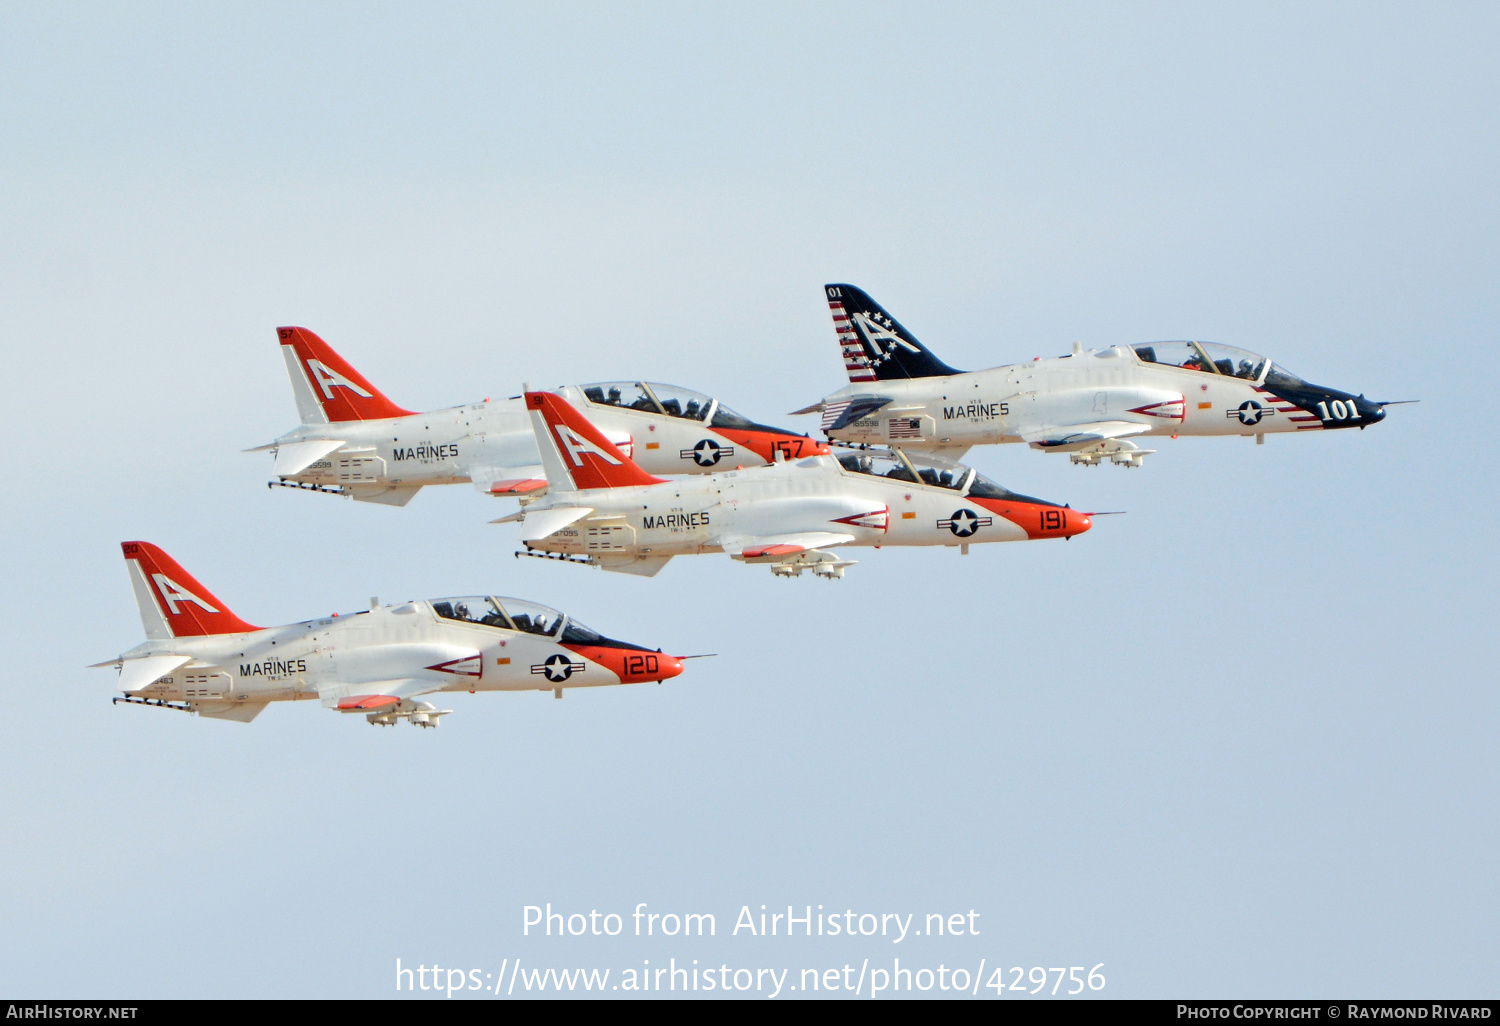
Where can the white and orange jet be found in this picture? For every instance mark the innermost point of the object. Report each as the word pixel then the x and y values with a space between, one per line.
pixel 601 508
pixel 354 441
pixel 378 662
pixel 1088 404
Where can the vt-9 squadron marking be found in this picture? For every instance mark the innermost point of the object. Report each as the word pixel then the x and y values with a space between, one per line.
pixel 1089 404
pixel 355 441
pixel 601 508
pixel 201 658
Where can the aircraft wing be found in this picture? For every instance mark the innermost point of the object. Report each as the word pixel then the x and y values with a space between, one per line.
pixel 295 457
pixel 529 481
pixel 374 696
pixel 771 548
pixel 1052 436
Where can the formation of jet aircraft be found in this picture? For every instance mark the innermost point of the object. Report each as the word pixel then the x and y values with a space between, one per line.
pixel 1090 404
pixel 626 475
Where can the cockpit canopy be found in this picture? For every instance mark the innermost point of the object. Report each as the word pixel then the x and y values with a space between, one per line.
pixel 651 397
pixel 510 614
pixel 519 615
pixel 668 400
pixel 1212 358
pixel 931 470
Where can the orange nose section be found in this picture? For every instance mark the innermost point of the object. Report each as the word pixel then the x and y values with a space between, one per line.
pixel 766 444
pixel 1038 519
pixel 631 665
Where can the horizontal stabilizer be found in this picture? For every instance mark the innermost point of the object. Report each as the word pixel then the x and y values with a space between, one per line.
pixel 814 408
pixel 1054 436
pixel 542 522
pixel 293 458
pixel 138 673
pixel 859 406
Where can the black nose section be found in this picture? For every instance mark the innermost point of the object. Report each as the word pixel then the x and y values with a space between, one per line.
pixel 1340 409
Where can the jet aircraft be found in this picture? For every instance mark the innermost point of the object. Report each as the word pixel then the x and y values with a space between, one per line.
pixel 354 441
pixel 1089 404
pixel 603 509
pixel 378 662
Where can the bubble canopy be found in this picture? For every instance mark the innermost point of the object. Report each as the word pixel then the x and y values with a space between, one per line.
pixel 930 470
pixel 1212 358
pixel 669 401
pixel 527 617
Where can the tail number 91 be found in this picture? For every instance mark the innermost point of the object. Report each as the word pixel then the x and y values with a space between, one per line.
pixel 1052 519
pixel 639 664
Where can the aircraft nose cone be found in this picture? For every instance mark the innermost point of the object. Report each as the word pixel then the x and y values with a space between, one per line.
pixel 671 666
pixel 1078 523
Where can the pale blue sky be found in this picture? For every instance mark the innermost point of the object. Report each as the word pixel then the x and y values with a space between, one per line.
pixel 1239 741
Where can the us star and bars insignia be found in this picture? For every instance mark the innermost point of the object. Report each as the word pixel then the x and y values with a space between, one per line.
pixel 707 452
pixel 1250 412
pixel 557 667
pixel 965 522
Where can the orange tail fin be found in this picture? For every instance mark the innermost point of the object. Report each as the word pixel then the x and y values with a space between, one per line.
pixel 173 604
pixel 574 453
pixel 341 391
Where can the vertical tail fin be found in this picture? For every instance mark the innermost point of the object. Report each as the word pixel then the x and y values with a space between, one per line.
pixel 326 386
pixel 173 604
pixel 874 344
pixel 575 454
